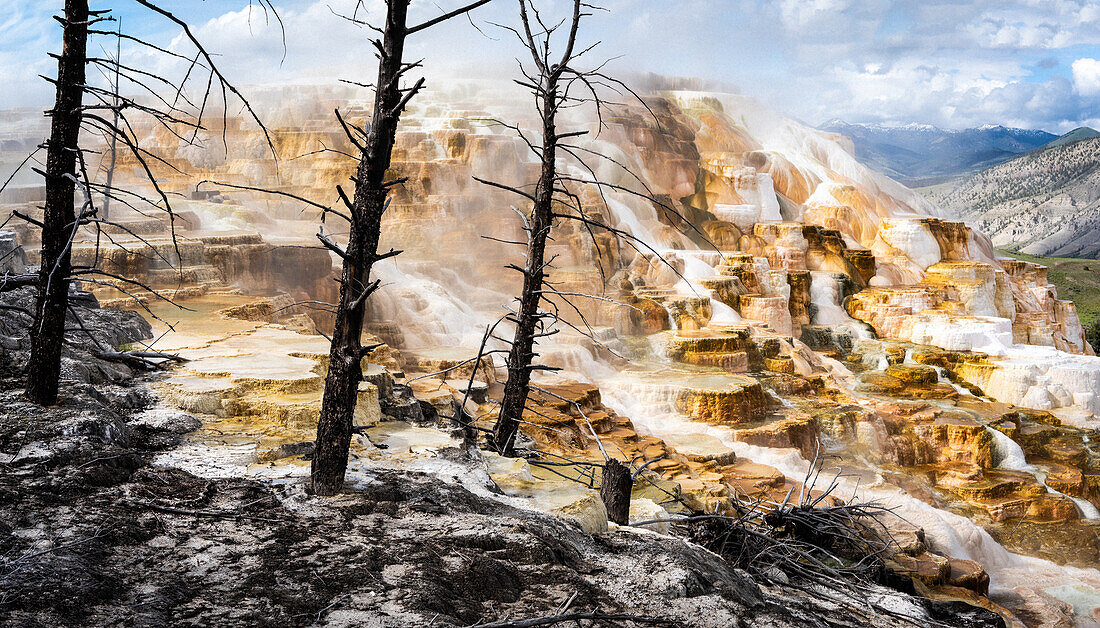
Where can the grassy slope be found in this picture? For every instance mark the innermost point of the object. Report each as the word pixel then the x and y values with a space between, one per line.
pixel 1077 280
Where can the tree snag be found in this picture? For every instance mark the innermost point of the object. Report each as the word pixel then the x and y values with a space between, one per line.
pixel 106 210
pixel 615 487
pixel 557 84
pixel 59 218
pixel 528 320
pixel 67 172
pixel 365 210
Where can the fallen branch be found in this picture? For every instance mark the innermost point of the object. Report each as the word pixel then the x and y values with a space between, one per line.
pixel 143 359
pixel 14 282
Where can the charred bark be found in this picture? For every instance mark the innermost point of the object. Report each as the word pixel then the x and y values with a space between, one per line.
pixel 330 459
pixel 528 322
pixel 366 208
pixel 66 170
pixel 615 487
pixel 105 212
pixel 59 220
pixel 555 82
pixel 528 319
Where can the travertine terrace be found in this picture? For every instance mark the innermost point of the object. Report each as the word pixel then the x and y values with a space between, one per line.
pixel 794 304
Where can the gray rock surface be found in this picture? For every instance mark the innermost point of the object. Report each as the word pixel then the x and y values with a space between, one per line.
pixel 12 258
pixel 160 428
pixel 111 328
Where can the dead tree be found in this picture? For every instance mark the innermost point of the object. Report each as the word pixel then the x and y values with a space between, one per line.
pixel 557 85
pixel 59 218
pixel 114 136
pixel 615 485
pixel 365 209
pixel 106 115
pixel 528 319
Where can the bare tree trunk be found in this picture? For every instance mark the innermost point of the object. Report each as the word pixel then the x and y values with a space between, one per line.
pixel 615 487
pixel 365 208
pixel 528 322
pixel 330 459
pixel 551 82
pixel 47 335
pixel 528 319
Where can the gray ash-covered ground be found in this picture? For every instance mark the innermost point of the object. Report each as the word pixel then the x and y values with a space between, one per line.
pixel 93 534
pixel 95 330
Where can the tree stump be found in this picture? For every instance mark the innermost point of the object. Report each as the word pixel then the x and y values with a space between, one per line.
pixel 615 491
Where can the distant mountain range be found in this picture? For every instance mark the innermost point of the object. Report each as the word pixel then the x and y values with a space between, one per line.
pixel 920 154
pixel 1046 202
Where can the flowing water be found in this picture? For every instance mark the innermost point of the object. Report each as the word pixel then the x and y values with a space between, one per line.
pixel 652 406
pixel 1010 456
pixel 435 314
pixel 941 374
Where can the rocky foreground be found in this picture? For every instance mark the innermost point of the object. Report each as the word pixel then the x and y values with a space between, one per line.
pixel 92 532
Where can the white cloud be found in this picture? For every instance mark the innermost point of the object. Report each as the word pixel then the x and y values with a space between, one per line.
pixel 951 64
pixel 1086 77
pixel 318 43
pixel 27 32
pixel 946 62
pixel 997 32
pixel 801 14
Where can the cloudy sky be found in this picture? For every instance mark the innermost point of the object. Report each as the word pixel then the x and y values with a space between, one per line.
pixel 1028 63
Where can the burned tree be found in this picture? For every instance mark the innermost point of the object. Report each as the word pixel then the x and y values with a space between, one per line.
pixel 66 171
pixel 365 208
pixel 59 217
pixel 113 148
pixel 557 84
pixel 615 485
pixel 551 95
